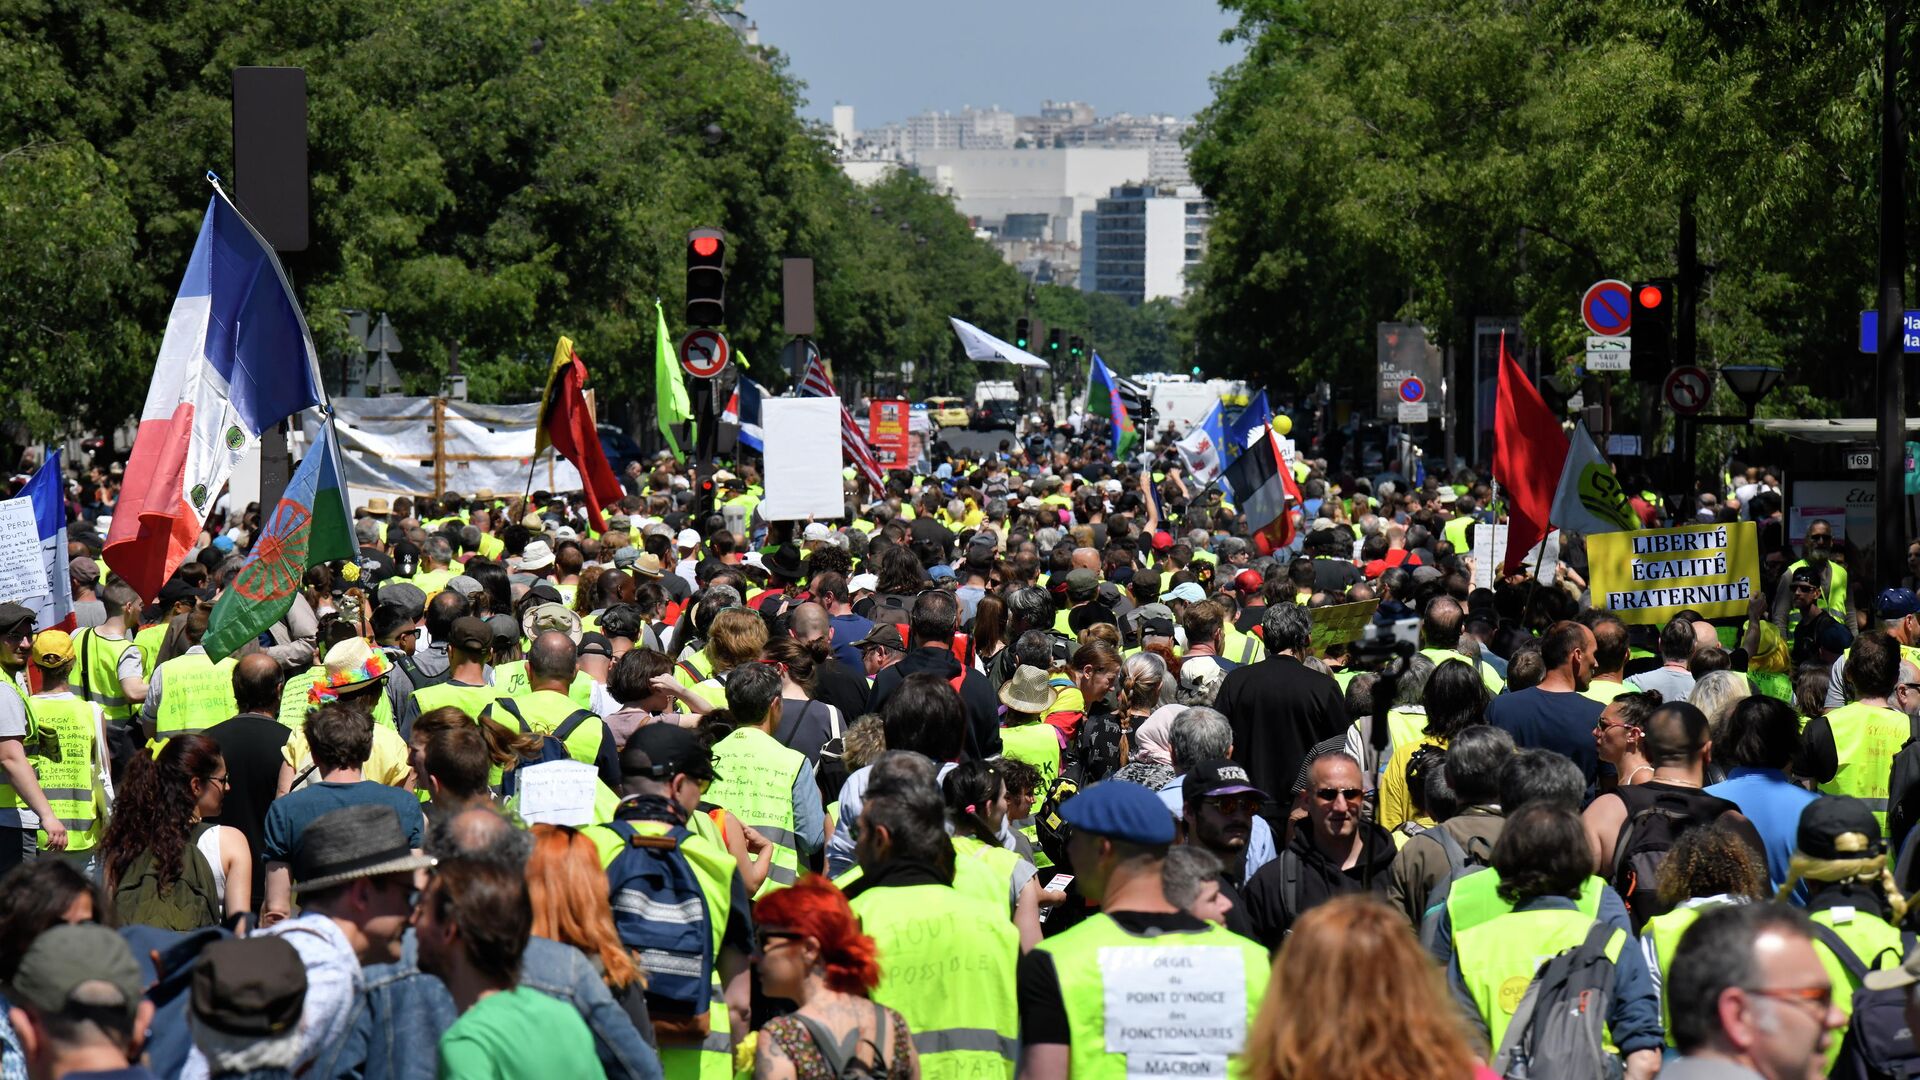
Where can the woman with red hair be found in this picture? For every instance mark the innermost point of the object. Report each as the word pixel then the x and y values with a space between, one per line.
pixel 569 893
pixel 812 952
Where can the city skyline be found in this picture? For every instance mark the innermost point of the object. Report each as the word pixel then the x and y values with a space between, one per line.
pixel 1145 56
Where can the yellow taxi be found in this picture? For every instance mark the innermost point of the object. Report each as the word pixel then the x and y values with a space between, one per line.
pixel 946 411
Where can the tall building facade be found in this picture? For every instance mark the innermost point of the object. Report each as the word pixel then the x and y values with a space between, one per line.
pixel 1140 242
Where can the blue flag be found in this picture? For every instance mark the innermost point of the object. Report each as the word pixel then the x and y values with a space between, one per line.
pixel 53 604
pixel 1247 423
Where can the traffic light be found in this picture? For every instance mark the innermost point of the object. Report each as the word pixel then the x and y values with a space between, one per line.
pixel 1196 371
pixel 1076 347
pixel 1652 329
pixel 1020 335
pixel 706 277
pixel 1053 344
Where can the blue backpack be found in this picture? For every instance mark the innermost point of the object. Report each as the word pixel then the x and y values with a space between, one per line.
pixel 662 918
pixel 553 747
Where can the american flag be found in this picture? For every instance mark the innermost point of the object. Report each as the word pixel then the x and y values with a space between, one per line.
pixel 853 444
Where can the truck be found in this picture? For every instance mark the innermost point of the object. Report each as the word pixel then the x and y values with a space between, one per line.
pixel 1184 404
pixel 990 390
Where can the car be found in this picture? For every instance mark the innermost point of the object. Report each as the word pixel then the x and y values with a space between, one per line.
pixel 996 414
pixel 946 411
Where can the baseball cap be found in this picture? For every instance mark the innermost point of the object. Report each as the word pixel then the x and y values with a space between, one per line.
pixel 52 649
pixel 626 557
pixel 1838 827
pixel 1221 777
pixel 1119 810
pixel 1896 603
pixel 1162 540
pixel 816 531
pixel 687 539
pixel 594 643
pixel 1834 638
pixel 1082 584
pixel 83 569
pixel 66 957
pixel 1156 626
pixel 863 583
pixel 1186 590
pixel 1248 580
pixel 940 572
pixel 660 750
pixel 470 634
pixel 503 627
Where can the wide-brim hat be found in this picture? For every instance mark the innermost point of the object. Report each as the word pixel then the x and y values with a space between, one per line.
pixel 786 562
pixel 536 556
pixel 543 618
pixel 359 841
pixel 1029 690
pixel 352 664
pixel 377 507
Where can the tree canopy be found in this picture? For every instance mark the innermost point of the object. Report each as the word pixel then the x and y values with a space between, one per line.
pixel 1373 160
pixel 492 176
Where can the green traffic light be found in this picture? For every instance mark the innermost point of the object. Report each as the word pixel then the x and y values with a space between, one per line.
pixel 1196 371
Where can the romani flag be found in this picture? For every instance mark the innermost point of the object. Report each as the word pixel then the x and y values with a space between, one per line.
pixel 313 523
pixel 1529 453
pixel 567 425
pixel 1264 490
pixel 1103 399
pixel 236 360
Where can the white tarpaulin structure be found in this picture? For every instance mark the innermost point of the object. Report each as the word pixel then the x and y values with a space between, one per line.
pixel 426 446
pixel 980 345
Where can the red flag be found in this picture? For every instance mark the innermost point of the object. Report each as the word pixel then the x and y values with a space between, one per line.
pixel 1529 450
pixel 569 427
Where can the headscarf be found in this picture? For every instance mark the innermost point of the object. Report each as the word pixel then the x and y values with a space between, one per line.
pixel 1153 740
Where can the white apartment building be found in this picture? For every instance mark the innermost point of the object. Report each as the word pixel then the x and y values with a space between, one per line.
pixel 1140 241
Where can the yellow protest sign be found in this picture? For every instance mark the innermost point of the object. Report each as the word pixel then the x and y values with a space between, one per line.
pixel 1339 624
pixel 1651 575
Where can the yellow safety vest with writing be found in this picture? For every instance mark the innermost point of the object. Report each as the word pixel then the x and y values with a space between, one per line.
pixel 713 868
pixel 99 673
pixel 195 694
pixel 511 678
pixel 947 965
pixel 756 777
pixel 293 697
pixel 1216 974
pixel 1865 739
pixel 60 747
pixel 1499 958
pixel 1037 744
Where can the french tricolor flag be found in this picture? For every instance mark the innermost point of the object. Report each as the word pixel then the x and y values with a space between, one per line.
pixel 52 604
pixel 236 360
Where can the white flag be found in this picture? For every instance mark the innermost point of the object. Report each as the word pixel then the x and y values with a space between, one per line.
pixel 1201 452
pixel 1590 499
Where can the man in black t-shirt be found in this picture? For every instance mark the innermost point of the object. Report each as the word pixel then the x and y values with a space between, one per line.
pixel 250 745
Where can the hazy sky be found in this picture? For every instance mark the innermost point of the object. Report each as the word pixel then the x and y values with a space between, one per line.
pixel 890 59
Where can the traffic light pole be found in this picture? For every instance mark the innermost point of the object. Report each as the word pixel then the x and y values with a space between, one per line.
pixel 1890 494
pixel 1687 333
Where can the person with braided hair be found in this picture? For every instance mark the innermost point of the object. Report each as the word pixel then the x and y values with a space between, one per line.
pixel 1855 906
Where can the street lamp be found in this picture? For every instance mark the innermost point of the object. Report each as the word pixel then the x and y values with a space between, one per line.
pixel 1751 382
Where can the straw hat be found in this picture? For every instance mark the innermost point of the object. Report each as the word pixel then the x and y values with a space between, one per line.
pixel 1028 691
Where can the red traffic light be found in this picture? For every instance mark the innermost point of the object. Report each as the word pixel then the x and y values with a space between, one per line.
pixel 1651 296
pixel 705 246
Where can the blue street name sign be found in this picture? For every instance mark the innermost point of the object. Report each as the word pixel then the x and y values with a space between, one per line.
pixel 1870 332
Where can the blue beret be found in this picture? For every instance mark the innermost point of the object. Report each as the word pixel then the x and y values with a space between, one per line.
pixel 1120 810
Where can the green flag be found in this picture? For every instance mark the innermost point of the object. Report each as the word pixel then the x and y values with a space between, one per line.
pixel 668 387
pixel 312 524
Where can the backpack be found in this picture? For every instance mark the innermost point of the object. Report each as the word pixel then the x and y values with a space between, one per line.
pixel 830 767
pixel 662 918
pixel 1476 856
pixel 1903 789
pixel 842 1056
pixel 1655 819
pixel 562 733
pixel 1048 824
pixel 190 902
pixel 1558 1031
pixel 1878 1042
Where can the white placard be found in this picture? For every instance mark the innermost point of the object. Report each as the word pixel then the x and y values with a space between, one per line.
pixel 1413 412
pixel 1187 999
pixel 557 792
pixel 1161 1066
pixel 22 573
pixel 1609 360
pixel 803 458
pixel 1490 550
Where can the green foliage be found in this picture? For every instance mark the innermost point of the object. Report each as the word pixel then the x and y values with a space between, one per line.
pixel 1445 159
pixel 491 175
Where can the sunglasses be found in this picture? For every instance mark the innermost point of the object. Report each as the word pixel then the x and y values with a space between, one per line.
pixel 1237 804
pixel 1330 794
